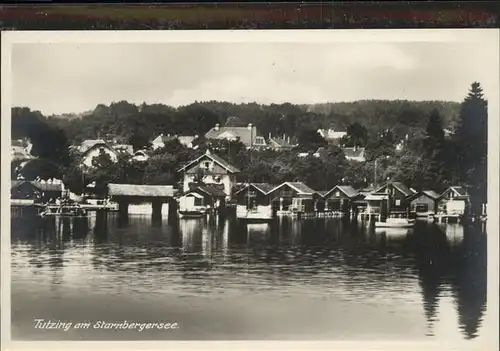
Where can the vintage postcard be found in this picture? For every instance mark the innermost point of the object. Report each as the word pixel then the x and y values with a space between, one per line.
pixel 323 189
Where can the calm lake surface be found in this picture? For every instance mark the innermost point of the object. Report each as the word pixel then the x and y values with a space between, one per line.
pixel 220 279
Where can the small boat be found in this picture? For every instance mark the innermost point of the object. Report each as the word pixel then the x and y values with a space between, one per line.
pixel 396 223
pixel 197 212
pixel 259 213
pixel 68 210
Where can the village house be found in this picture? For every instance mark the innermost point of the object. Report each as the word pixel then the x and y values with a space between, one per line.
pixel 341 199
pixel 332 136
pixel 186 140
pixel 156 200
pixel 279 144
pixel 249 136
pixel 140 156
pixel 93 148
pixel 354 153
pixel 455 201
pixel 424 203
pixel 21 150
pixel 294 196
pixel 209 169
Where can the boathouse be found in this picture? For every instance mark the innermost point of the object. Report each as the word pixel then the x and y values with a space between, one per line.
pixel 157 200
pixel 208 197
pixel 36 191
pixel 392 198
pixel 424 203
pixel 209 169
pixel 455 201
pixel 341 199
pixel 294 197
pixel 254 197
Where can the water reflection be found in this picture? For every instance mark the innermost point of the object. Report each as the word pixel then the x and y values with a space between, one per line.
pixel 335 260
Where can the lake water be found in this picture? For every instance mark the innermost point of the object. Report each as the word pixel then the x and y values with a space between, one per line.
pixel 312 279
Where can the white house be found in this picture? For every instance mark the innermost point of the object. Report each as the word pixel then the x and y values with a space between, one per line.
pixel 213 170
pixel 93 148
pixel 249 135
pixel 331 135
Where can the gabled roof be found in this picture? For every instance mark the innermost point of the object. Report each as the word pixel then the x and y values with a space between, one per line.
pixel 398 185
pixel 432 194
pixel 141 190
pixel 90 143
pixel 126 148
pixel 459 191
pixel 353 152
pixel 264 188
pixel 209 190
pixel 220 161
pixel 348 190
pixel 186 139
pixel 280 142
pixel 300 187
pixel 244 134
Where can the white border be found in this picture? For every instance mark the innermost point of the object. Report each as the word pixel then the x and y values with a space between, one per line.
pixel 489 332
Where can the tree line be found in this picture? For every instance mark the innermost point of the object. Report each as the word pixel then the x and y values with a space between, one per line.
pixel 427 159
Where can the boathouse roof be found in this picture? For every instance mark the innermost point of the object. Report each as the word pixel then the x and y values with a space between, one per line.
pixel 348 190
pixel 398 185
pixel 264 188
pixel 459 191
pixel 210 190
pixel 219 160
pixel 43 186
pixel 300 187
pixel 432 194
pixel 141 190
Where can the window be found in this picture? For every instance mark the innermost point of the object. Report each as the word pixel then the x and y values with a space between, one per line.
pixel 198 202
pixel 337 193
pixel 259 141
pixel 206 164
pixel 398 202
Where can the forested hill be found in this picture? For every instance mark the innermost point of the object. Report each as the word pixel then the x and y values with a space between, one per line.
pixel 387 112
pixel 145 121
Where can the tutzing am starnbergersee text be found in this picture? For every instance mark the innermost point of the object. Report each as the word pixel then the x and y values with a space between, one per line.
pixel 123 325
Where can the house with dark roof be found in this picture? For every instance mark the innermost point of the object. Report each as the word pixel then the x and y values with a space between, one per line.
pixel 424 203
pixel 209 169
pixel 295 197
pixel 249 136
pixel 341 198
pixel 454 201
pixel 142 199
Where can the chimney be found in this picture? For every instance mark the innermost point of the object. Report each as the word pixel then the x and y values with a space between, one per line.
pixel 288 140
pixel 217 126
pixel 284 136
pixel 269 135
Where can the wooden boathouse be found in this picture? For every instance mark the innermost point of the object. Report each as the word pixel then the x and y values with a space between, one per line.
pixel 453 204
pixel 294 198
pixel 155 200
pixel 341 200
pixel 392 199
pixel 424 203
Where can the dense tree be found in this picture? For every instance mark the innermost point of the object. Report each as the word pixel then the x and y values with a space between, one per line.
pixel 357 135
pixel 472 144
pixel 41 169
pixel 435 153
pixel 310 140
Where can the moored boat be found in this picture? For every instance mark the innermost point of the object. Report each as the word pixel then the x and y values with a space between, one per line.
pixel 195 212
pixel 396 223
pixel 259 213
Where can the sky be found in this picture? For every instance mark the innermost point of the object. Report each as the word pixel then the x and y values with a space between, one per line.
pixel 74 77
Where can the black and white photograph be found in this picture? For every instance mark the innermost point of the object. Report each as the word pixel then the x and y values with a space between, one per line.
pixel 334 186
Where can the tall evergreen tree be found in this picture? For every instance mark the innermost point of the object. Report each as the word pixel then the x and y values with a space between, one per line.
pixel 472 143
pixel 435 153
